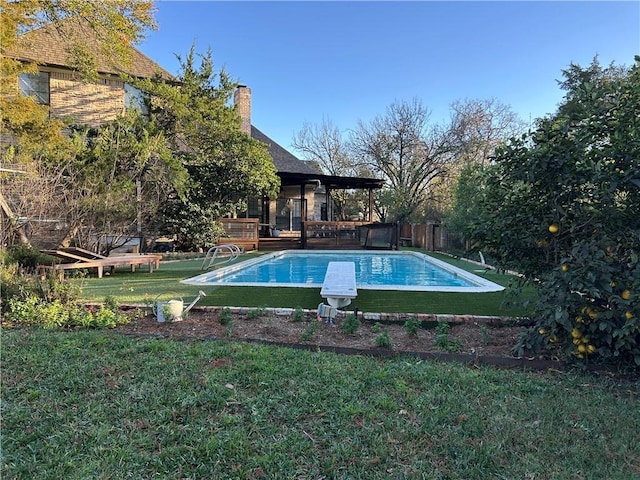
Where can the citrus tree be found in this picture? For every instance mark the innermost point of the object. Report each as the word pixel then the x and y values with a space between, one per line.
pixel 561 205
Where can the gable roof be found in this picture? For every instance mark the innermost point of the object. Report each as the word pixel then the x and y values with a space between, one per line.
pixel 282 159
pixel 48 46
pixel 293 171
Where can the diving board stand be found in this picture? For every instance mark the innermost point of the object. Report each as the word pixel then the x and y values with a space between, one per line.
pixel 339 286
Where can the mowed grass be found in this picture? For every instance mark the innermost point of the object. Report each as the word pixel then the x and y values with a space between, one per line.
pixel 100 405
pixel 144 288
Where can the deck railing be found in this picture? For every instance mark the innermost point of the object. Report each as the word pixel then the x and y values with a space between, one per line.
pixel 240 231
pixel 331 234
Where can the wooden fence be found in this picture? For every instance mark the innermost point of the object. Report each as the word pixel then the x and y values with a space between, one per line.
pixel 430 236
pixel 331 235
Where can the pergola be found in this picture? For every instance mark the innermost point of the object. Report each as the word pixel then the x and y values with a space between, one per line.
pixel 331 182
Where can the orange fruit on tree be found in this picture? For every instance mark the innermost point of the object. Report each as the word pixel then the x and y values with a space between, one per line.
pixel 626 295
pixel 629 315
pixel 565 267
pixel 553 228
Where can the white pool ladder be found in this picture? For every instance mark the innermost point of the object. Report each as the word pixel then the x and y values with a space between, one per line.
pixel 230 250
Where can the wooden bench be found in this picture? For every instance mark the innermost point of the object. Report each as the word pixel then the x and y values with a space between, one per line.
pixel 339 286
pixel 406 242
pixel 75 258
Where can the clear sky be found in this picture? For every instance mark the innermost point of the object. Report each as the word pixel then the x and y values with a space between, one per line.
pixel 348 61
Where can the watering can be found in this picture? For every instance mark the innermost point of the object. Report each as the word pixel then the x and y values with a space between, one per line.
pixel 172 310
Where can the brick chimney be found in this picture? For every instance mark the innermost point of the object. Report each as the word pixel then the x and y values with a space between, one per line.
pixel 242 100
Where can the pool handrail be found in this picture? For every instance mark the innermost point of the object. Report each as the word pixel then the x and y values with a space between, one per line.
pixel 230 249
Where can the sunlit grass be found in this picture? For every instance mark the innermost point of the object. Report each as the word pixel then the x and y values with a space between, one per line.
pixel 96 404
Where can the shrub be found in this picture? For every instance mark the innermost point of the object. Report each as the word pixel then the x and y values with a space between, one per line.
pixel 48 302
pixel 15 286
pixel 255 313
pixel 225 316
pixel 309 331
pixel 411 326
pixel 27 257
pixel 383 340
pixel 350 324
pixel 56 314
pixel 561 205
pixel 18 284
pixel 298 314
pixel 442 338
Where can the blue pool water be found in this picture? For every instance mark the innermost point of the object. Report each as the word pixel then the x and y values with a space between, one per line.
pixel 374 270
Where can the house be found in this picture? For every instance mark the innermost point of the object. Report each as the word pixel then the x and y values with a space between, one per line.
pixel 66 95
pixel 305 194
pixel 64 92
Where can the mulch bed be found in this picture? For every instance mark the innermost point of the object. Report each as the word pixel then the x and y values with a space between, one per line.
pixel 477 340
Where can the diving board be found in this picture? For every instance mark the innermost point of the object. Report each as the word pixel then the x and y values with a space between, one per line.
pixel 339 286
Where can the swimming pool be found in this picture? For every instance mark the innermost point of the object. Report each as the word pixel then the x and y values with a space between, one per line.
pixel 375 270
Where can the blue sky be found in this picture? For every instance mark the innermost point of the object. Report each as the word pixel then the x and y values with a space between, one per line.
pixel 348 61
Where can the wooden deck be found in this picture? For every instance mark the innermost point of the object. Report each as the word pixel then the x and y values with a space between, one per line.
pixel 280 243
pixel 244 232
pixel 240 231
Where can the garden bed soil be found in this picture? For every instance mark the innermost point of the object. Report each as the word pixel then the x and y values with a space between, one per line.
pixel 466 337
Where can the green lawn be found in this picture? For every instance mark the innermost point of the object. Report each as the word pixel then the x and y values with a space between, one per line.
pixel 142 288
pixel 100 405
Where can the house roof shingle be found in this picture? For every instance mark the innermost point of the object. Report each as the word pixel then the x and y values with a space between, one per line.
pixel 293 171
pixel 284 161
pixel 48 46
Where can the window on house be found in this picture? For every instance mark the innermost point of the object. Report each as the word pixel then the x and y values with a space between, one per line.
pixel 254 208
pixel 35 85
pixel 136 99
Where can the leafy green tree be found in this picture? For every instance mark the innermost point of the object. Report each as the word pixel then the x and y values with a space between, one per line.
pixel 225 165
pixel 125 172
pixel 115 25
pixel 460 216
pixel 562 206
